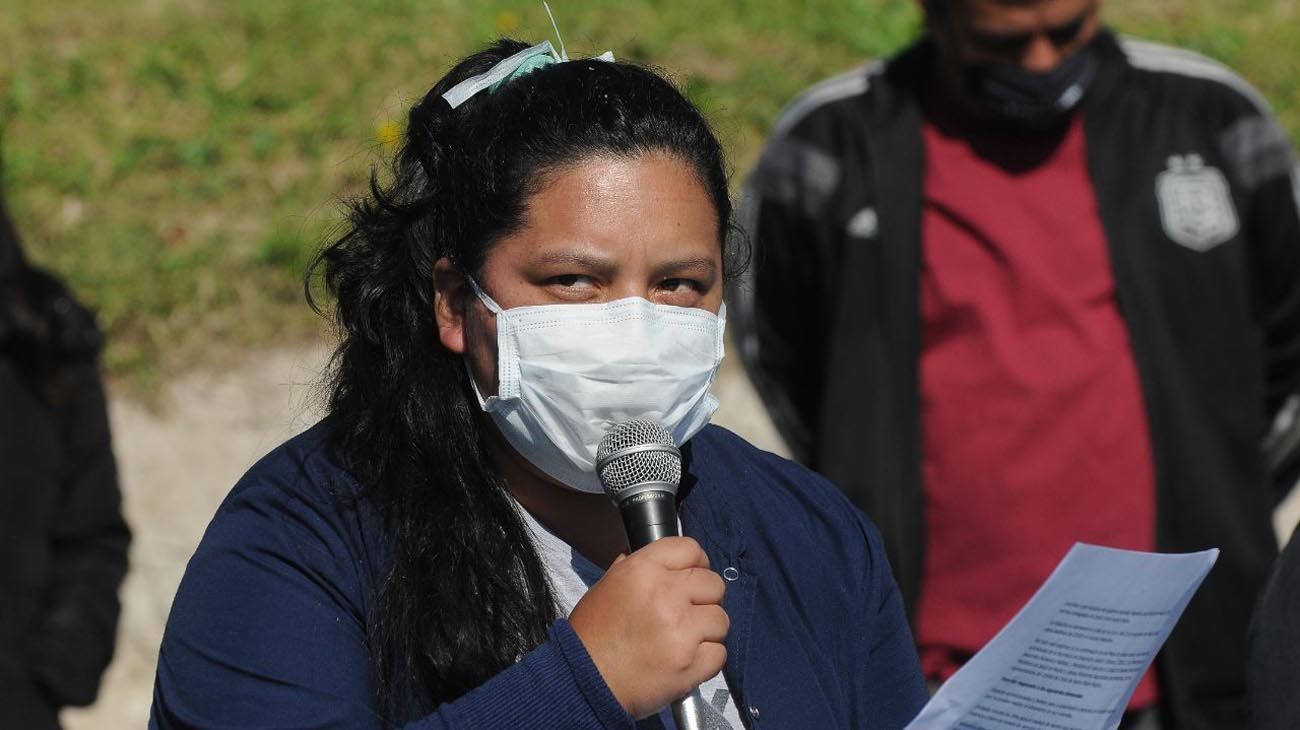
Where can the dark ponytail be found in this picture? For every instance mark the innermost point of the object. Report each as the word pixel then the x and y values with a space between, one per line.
pixel 466 594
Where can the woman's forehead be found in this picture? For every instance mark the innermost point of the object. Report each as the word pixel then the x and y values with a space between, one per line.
pixel 615 208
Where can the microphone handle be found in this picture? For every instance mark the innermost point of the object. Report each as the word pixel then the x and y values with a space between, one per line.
pixel 648 516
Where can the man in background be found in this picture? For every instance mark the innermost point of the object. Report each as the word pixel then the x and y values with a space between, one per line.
pixel 1027 284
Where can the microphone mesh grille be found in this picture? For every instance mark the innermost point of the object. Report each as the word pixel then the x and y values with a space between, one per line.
pixel 642 466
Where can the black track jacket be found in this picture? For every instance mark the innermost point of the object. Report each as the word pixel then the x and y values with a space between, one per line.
pixel 1197 189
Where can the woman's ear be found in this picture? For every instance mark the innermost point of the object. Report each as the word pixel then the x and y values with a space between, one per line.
pixel 450 291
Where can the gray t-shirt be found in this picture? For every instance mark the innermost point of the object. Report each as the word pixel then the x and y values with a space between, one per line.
pixel 571 575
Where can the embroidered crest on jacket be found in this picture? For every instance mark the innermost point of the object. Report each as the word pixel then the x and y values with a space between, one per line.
pixel 864 224
pixel 1196 208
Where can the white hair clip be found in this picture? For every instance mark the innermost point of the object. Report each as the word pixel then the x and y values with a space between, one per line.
pixel 520 64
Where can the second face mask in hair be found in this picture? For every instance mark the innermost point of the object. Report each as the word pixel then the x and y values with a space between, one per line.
pixel 568 372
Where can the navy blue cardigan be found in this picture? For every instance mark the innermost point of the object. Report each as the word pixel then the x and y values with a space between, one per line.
pixel 267 629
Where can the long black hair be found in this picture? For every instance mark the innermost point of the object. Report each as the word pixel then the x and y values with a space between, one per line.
pixel 44 331
pixel 466 594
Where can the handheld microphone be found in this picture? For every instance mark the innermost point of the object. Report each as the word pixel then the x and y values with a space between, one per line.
pixel 640 468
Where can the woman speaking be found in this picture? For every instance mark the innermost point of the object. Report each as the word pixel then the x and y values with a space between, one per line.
pixel 548 261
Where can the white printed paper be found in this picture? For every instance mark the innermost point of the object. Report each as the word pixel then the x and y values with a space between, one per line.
pixel 1072 657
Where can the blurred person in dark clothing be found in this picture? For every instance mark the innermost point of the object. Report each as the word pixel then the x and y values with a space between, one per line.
pixel 63 541
pixel 1273 674
pixel 1028 283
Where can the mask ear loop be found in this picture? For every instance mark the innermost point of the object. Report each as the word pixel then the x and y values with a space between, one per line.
pixel 485 403
pixel 488 302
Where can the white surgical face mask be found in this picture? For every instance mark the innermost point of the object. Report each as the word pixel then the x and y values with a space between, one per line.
pixel 566 373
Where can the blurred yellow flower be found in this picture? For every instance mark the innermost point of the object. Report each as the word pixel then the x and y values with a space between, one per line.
pixel 507 22
pixel 389 134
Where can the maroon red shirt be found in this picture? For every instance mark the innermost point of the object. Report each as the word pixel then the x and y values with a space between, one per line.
pixel 1033 424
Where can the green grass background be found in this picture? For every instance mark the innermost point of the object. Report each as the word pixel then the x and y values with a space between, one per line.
pixel 179 161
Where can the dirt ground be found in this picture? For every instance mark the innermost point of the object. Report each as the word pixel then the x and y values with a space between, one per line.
pixel 177 463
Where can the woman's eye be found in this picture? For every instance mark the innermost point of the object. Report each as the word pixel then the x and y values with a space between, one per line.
pixel 682 292
pixel 571 283
pixel 674 284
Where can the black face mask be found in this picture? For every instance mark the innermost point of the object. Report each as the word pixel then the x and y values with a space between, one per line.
pixel 1033 99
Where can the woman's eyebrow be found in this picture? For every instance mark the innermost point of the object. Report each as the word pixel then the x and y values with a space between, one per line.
pixel 586 261
pixel 702 264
